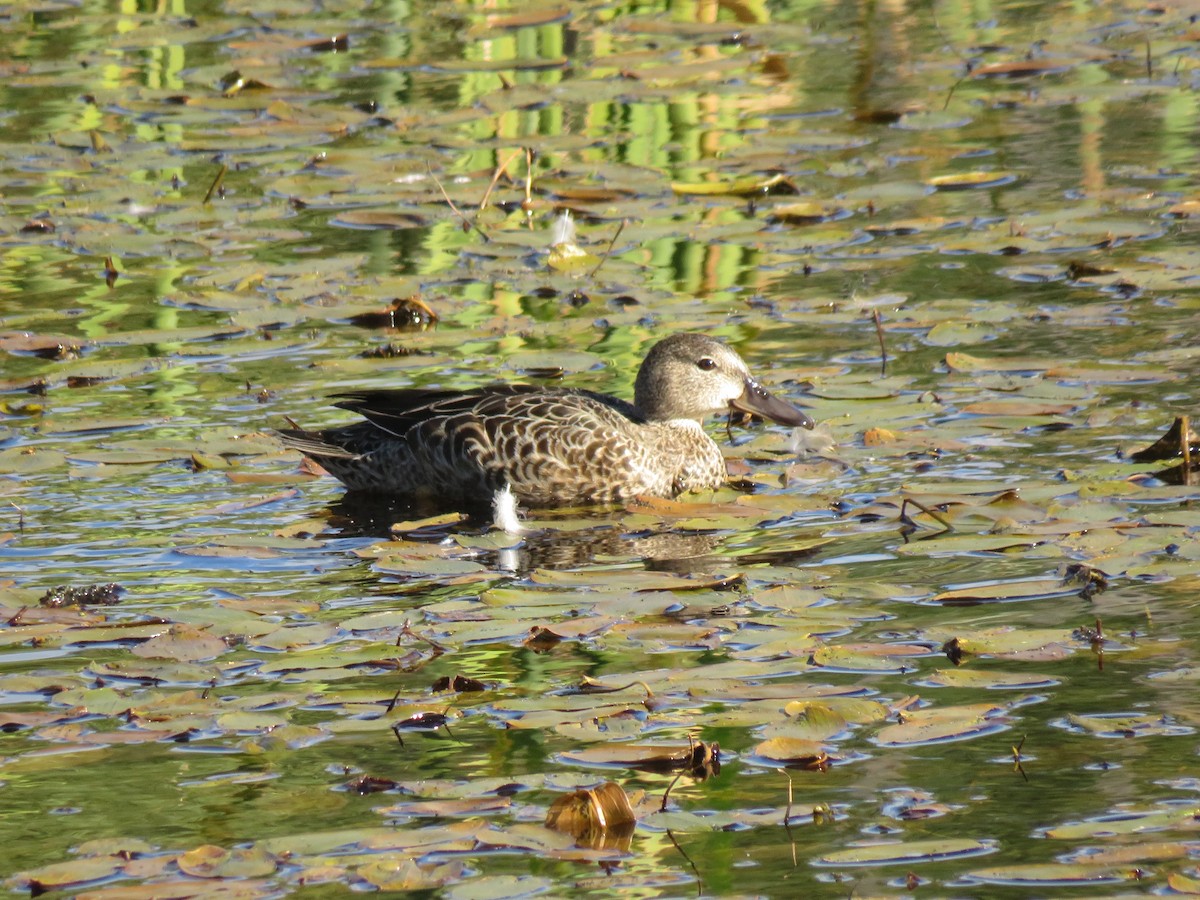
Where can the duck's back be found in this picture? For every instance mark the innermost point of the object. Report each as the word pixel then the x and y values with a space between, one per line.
pixel 549 446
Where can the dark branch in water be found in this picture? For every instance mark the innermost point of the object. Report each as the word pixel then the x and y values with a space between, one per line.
pixel 216 183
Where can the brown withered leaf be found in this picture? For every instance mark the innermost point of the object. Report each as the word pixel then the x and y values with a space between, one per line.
pixel 459 683
pixel 585 814
pixel 541 639
pixel 1023 68
pixel 405 313
pixel 369 784
pixel 1170 445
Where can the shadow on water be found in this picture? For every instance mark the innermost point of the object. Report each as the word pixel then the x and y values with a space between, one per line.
pixel 558 540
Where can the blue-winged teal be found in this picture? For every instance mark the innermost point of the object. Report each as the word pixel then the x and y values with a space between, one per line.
pixel 553 446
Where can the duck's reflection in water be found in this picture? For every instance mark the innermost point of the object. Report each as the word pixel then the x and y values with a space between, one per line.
pixel 562 539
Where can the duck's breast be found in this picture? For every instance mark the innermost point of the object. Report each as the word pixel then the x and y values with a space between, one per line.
pixel 687 454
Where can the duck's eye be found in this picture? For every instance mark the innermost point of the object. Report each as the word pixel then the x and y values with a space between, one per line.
pixel 707 364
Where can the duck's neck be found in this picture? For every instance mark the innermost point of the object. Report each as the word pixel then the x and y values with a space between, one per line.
pixel 655 410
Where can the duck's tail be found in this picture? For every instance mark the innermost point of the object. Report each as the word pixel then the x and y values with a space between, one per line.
pixel 313 444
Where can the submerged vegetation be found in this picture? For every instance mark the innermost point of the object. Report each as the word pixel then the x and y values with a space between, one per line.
pixel 947 639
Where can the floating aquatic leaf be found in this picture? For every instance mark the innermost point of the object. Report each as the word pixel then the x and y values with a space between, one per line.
pixel 182 643
pixel 698 758
pixel 1049 875
pixel 988 679
pixel 1017 408
pixel 931 120
pixel 1184 884
pixel 28 460
pixel 867 657
pixel 1038 589
pixel 950 334
pixel 964 362
pixel 803 213
pixel 396 872
pixel 209 861
pixel 531 18
pixel 744 187
pixel 907 852
pixel 792 752
pixel 65 875
pixel 500 887
pixel 972 543
pixel 965 181
pixel 1127 819
pixel 831 713
pixel 300 637
pixel 1023 643
pixel 1126 725
pixel 939 725
pixel 378 219
pixel 1023 68
pixel 46 346
pixel 571 259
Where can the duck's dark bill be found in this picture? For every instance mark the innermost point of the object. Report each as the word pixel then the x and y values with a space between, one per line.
pixel 757 399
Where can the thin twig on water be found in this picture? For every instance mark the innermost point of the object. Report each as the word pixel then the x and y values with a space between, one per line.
pixel 925 509
pixel 608 249
pixel 501 169
pixel 667 793
pixel 883 361
pixel 1185 447
pixel 529 155
pixel 458 212
pixel 787 813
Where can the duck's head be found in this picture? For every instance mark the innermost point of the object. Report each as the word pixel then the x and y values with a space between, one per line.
pixel 693 376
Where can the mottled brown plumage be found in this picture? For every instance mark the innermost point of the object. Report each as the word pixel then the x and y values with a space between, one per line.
pixel 552 446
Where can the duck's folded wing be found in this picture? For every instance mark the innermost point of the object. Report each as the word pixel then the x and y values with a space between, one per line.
pixel 561 447
pixel 396 411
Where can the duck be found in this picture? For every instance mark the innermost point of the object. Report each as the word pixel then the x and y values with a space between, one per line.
pixel 548 446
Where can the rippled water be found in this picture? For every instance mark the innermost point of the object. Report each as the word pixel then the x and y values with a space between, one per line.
pixel 1015 212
